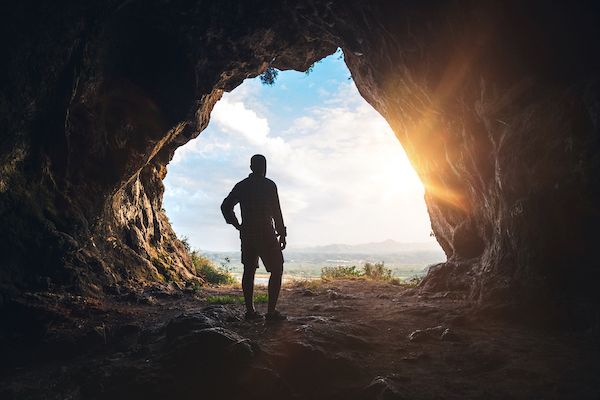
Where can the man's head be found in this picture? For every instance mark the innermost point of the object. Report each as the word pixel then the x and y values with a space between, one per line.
pixel 258 164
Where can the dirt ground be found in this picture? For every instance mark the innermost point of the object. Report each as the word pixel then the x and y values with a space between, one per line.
pixel 343 338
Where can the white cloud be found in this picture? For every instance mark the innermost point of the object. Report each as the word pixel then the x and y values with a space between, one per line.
pixel 235 117
pixel 342 174
pixel 199 148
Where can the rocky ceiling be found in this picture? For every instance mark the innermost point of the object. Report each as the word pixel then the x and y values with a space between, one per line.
pixel 496 103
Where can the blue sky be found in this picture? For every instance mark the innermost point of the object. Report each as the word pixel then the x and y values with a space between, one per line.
pixel 342 175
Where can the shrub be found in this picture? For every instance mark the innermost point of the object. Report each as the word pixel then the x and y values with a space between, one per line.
pixel 340 272
pixel 211 273
pixel 186 243
pixel 377 272
pixel 269 76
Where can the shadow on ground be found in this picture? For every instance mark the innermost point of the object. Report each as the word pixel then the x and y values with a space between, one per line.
pixel 344 340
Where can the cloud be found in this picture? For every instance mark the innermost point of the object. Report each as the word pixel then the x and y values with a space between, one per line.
pixel 341 172
pixel 199 148
pixel 235 117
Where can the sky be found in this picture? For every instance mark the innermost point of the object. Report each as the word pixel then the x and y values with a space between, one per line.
pixel 342 175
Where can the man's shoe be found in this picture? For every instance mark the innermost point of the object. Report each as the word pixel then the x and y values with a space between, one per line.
pixel 275 316
pixel 252 316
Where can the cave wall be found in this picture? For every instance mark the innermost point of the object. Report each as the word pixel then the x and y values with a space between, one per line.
pixel 95 99
pixel 496 104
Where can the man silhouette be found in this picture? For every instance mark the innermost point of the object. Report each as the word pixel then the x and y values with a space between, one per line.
pixel 262 223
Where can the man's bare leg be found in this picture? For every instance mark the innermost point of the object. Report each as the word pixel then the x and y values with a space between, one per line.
pixel 274 288
pixel 248 288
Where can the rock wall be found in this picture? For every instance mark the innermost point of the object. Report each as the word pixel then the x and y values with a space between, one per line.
pixel 495 103
pixel 95 100
pixel 497 106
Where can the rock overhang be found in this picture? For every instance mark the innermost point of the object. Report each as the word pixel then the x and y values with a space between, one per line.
pixel 496 109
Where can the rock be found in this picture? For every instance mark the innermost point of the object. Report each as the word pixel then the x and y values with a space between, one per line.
pixel 172 290
pixel 452 295
pixel 412 357
pixel 305 362
pixel 187 323
pixel 507 150
pixel 381 388
pixel 422 335
pixel 125 336
pixel 127 330
pixel 333 295
pixel 223 313
pixel 309 293
pixel 263 383
pixel 437 333
pixel 319 319
pixel 449 336
pixel 418 336
pixel 210 350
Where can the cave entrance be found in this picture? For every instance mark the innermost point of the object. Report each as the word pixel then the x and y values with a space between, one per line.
pixel 348 192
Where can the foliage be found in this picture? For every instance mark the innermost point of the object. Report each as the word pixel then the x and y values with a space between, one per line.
pixel 211 273
pixel 340 272
pixel 310 69
pixel 376 272
pixel 186 243
pixel 196 286
pixel 269 76
pixel 232 299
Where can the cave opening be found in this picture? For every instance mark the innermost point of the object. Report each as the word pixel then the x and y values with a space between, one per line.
pixel 496 104
pixel 348 191
pixel 81 185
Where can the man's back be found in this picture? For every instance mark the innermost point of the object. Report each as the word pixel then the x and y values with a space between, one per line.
pixel 259 203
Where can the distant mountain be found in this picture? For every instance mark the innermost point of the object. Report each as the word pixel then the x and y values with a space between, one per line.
pixel 386 247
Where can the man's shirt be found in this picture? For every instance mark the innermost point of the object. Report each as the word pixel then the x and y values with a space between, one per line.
pixel 260 207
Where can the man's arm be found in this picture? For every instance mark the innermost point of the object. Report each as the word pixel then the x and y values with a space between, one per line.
pixel 227 207
pixel 278 218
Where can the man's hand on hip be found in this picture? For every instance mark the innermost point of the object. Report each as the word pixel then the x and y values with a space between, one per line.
pixel 282 242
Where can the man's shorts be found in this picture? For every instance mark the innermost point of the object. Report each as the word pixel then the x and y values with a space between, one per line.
pixel 268 249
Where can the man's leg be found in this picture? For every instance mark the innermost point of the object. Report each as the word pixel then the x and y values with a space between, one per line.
pixel 273 260
pixel 250 262
pixel 248 287
pixel 274 288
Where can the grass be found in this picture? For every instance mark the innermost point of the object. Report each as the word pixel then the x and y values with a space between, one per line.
pixel 310 284
pixel 370 271
pixel 233 299
pixel 210 272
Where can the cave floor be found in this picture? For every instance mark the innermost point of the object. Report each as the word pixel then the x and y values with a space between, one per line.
pixel 343 339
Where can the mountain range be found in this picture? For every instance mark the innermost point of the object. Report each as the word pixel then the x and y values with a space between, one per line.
pixel 388 246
